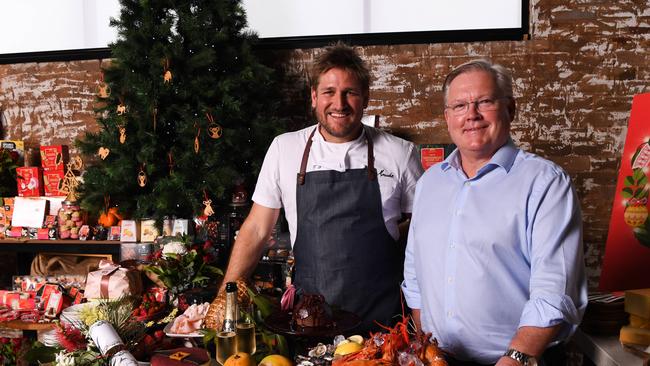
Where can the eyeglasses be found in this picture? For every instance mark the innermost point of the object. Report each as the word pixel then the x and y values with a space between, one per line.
pixel 482 105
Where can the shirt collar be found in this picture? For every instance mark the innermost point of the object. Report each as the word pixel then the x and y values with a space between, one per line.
pixel 504 157
pixel 319 137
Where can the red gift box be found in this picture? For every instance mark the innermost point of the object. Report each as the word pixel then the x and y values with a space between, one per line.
pixel 52 182
pixel 54 157
pixel 30 181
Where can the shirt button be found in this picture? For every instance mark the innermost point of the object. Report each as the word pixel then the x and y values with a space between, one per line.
pixel 450 279
pixel 452 245
pixel 467 184
pixel 450 313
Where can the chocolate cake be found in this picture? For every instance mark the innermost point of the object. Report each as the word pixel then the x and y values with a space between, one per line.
pixel 312 312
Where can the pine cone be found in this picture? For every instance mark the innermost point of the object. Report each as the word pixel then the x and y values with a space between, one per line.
pixel 217 309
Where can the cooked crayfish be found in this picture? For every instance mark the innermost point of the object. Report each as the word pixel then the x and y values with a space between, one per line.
pixel 384 348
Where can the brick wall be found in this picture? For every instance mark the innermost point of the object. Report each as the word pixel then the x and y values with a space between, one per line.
pixel 574 83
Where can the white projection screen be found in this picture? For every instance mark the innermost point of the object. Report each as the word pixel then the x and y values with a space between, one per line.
pixel 77 29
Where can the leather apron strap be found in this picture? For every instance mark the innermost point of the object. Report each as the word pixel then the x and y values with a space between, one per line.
pixel 372 172
pixel 343 249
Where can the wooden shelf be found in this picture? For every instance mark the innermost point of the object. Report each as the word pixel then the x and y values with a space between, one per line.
pixel 11 241
pixel 19 324
pixel 26 249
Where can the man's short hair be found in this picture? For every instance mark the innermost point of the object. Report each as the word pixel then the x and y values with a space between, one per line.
pixel 340 56
pixel 502 77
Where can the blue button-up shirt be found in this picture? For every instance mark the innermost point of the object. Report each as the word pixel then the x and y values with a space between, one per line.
pixel 490 254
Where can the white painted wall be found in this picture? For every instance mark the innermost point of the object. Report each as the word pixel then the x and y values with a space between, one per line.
pixel 50 25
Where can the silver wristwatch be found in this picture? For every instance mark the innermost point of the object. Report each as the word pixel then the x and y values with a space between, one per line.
pixel 522 358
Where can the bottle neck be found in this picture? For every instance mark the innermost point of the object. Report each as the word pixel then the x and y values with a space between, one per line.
pixel 230 316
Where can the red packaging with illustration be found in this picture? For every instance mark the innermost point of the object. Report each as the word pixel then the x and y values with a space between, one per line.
pixel 30 181
pixel 52 181
pixel 54 157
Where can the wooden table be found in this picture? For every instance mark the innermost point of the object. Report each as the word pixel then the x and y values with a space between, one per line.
pixel 21 325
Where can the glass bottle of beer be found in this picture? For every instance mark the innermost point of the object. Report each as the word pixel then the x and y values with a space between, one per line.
pixel 226 337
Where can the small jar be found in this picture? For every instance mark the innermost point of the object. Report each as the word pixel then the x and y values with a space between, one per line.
pixel 70 219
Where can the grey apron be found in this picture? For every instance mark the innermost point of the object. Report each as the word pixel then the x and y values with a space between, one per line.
pixel 343 249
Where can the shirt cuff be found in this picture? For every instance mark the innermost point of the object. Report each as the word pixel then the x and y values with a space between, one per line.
pixel 412 296
pixel 551 310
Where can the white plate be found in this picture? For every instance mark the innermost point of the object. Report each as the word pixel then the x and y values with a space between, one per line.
pixel 180 335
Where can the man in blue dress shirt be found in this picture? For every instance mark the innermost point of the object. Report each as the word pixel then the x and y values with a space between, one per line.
pixel 494 264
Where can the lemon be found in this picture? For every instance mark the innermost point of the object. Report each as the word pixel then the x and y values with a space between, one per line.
pixel 275 360
pixel 356 339
pixel 346 348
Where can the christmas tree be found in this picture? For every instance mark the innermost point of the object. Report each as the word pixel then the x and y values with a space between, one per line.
pixel 188 111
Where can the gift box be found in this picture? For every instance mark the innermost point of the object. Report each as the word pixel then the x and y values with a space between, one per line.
pixel 114 233
pixel 30 181
pixel 136 251
pixel 148 231
pixel 112 281
pixel 129 231
pixel 54 157
pixel 181 227
pixel 16 148
pixel 53 182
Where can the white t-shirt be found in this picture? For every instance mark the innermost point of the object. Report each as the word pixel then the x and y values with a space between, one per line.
pixel 396 161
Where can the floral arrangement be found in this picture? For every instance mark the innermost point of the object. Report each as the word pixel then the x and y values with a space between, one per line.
pixel 10 348
pixel 181 264
pixel 75 346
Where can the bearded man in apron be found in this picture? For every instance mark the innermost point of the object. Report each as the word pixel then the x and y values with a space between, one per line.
pixel 344 188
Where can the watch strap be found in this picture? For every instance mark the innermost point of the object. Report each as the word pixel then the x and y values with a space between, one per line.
pixel 518 356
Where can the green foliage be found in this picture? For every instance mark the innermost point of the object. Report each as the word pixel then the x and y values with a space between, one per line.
pixel 214 73
pixel 634 186
pixel 8 184
pixel 181 265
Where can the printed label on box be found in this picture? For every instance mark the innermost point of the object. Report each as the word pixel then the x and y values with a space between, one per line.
pixel 30 181
pixel 53 182
pixel 129 232
pixel 54 157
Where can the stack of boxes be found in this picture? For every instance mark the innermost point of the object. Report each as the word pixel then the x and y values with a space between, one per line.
pixel 53 160
pixel 637 304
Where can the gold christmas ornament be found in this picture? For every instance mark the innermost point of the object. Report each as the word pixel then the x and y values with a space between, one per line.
pixel 103 90
pixel 208 211
pixel 121 109
pixel 122 134
pixel 103 152
pixel 196 139
pixel 69 183
pixel 142 178
pixel 167 76
pixel 214 130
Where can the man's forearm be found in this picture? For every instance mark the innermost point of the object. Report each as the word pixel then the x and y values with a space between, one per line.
pixel 531 341
pixel 251 242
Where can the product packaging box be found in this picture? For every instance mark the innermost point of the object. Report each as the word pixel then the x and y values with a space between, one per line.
pixel 30 181
pixel 53 182
pixel 54 157
pixel 148 231
pixel 16 149
pixel 130 231
pixel 181 227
